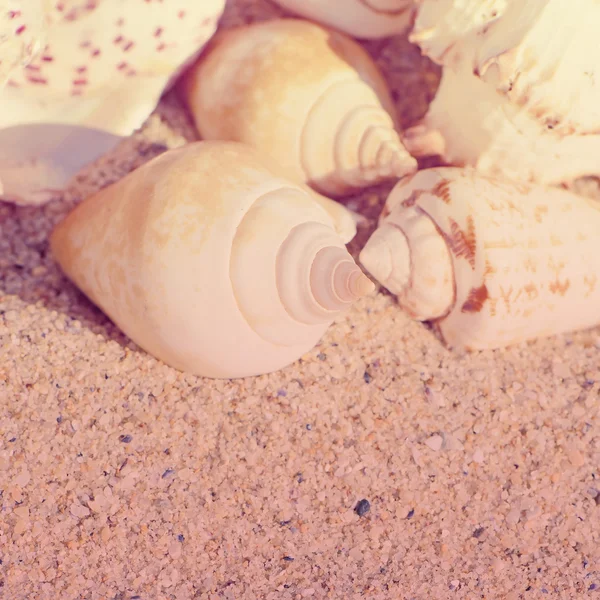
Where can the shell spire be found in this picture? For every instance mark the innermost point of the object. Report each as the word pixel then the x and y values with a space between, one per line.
pixel 336 282
pixel 331 124
pixel 81 60
pixel 407 256
pixel 366 146
pixel 211 261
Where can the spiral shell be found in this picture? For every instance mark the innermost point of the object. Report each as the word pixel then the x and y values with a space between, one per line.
pixel 491 262
pixel 89 73
pixel 211 261
pixel 310 97
pixel 529 71
pixel 367 19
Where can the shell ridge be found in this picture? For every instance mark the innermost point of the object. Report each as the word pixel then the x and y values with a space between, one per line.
pixel 302 142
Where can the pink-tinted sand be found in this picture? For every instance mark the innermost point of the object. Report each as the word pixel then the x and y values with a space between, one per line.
pixel 121 478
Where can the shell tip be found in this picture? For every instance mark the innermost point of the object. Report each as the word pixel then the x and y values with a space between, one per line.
pixel 395 161
pixel 360 285
pixel 403 164
pixel 421 141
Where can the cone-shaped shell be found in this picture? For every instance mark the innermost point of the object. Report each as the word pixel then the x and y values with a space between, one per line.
pixel 309 96
pixel 367 19
pixel 491 262
pixel 533 112
pixel 97 69
pixel 211 261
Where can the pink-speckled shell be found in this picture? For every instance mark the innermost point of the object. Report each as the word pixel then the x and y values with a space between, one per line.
pixel 96 48
pixel 91 65
pixel 23 25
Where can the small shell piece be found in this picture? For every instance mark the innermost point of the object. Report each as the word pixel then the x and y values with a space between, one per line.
pixel 211 261
pixel 491 262
pixel 533 106
pixel 310 97
pixel 99 72
pixel 442 26
pixel 366 19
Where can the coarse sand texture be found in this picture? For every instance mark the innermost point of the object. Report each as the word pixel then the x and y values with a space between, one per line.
pixel 380 466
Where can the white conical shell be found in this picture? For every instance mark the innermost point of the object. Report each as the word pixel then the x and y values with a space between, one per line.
pixel 533 109
pixel 367 19
pixel 491 262
pixel 210 261
pixel 309 96
pixel 102 68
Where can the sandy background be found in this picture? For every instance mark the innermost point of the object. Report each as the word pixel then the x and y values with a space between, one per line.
pixel 122 479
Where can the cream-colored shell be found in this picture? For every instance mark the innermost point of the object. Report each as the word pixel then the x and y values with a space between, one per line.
pixel 310 97
pixel 518 95
pixel 213 262
pixel 491 262
pixel 367 19
pixel 92 73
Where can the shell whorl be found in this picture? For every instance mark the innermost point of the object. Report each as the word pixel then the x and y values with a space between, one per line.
pixel 290 272
pixel 409 256
pixel 316 277
pixel 349 140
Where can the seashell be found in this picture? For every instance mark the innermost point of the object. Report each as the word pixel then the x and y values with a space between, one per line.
pixel 93 73
pixel 309 96
pixel 22 34
pixel 533 110
pixel 441 27
pixel 491 262
pixel 210 260
pixel 366 19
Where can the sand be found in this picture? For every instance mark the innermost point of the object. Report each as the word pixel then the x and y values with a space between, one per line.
pixel 378 466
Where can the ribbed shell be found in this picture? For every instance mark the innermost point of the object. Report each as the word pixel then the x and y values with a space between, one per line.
pixel 205 257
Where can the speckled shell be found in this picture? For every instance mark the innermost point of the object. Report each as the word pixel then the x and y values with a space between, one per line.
pixel 23 27
pixel 95 68
pixel 522 260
